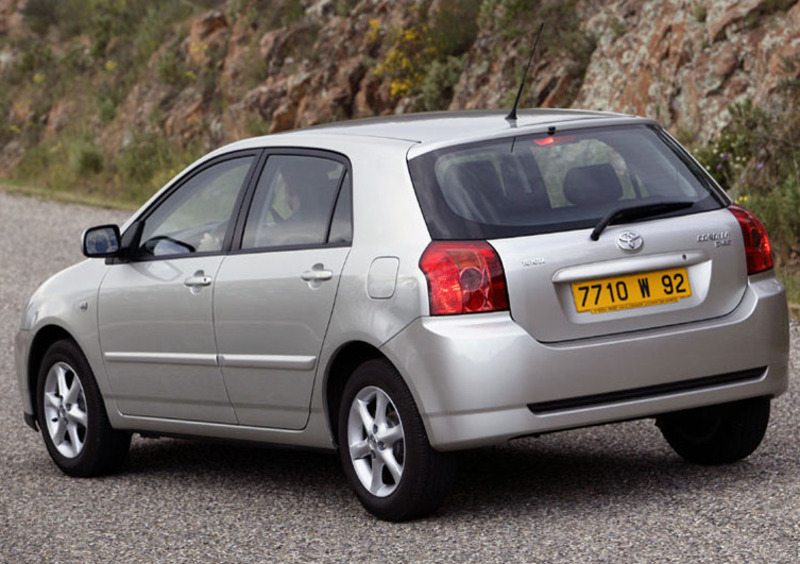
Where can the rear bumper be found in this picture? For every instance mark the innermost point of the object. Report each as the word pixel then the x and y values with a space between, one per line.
pixel 478 379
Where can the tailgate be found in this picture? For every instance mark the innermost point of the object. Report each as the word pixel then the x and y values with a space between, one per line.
pixel 637 276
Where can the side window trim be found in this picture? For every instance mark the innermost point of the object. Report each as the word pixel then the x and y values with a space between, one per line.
pixel 239 215
pixel 345 180
pixel 249 196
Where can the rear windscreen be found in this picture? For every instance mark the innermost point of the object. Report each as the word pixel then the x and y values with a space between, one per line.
pixel 548 183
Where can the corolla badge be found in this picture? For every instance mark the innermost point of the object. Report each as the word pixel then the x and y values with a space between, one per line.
pixel 630 241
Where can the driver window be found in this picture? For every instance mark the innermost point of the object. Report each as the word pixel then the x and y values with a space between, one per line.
pixel 195 218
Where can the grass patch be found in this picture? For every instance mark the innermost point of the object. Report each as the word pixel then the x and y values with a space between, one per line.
pixel 76 165
pixel 790 278
pixel 46 194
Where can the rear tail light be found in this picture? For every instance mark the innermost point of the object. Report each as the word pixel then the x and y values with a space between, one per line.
pixel 756 240
pixel 464 277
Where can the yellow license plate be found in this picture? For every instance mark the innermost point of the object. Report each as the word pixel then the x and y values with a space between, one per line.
pixel 635 290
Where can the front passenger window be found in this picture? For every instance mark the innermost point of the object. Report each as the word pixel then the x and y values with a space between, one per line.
pixel 195 218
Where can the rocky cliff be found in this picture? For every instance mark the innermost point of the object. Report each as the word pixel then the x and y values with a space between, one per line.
pixel 228 69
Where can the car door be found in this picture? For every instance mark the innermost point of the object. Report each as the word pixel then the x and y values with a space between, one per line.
pixel 273 297
pixel 155 310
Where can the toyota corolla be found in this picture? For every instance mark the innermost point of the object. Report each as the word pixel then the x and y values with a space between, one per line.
pixel 401 288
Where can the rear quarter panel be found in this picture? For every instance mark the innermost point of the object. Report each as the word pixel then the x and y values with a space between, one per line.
pixel 387 224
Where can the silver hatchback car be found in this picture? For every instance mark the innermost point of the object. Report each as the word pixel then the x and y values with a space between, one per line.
pixel 397 289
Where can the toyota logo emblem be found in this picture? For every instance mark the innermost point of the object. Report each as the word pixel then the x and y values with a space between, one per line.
pixel 630 241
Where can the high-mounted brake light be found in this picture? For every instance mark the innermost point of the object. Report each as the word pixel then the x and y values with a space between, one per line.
pixel 544 141
pixel 756 240
pixel 464 277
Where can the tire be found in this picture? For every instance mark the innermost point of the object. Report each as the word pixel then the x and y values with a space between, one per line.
pixel 72 416
pixel 384 448
pixel 718 434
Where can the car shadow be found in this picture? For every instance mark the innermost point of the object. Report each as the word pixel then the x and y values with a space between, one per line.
pixel 585 469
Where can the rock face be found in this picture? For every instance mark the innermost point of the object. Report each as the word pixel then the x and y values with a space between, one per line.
pixel 684 62
pixel 679 61
pixel 315 71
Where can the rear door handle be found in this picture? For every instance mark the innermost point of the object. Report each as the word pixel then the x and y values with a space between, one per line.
pixel 319 275
pixel 199 279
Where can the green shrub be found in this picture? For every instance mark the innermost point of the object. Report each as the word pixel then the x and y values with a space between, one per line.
pixel 779 210
pixel 148 162
pixel 35 56
pixel 39 15
pixel 771 6
pixel 739 147
pixel 36 160
pixel 700 12
pixel 284 13
pixel 256 126
pixel 343 8
pixel 108 98
pixel 171 70
pixel 455 26
pixel 618 27
pixel 85 158
pixel 439 82
pixel 756 158
pixel 139 161
pixel 268 14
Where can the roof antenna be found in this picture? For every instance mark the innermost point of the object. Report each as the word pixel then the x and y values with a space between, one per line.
pixel 512 115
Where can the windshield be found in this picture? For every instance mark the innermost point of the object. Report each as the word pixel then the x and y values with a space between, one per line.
pixel 547 183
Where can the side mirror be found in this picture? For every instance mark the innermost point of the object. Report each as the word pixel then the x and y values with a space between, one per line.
pixel 101 242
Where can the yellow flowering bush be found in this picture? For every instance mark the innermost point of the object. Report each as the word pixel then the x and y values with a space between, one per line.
pixel 407 60
pixel 375 31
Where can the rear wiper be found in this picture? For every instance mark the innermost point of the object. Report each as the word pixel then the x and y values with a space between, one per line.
pixel 634 212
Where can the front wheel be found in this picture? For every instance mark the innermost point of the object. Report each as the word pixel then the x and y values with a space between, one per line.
pixel 72 416
pixel 384 448
pixel 717 434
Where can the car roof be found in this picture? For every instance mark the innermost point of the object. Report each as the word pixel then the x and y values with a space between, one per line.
pixel 432 130
pixel 435 127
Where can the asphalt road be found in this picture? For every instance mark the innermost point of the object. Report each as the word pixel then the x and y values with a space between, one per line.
pixel 607 494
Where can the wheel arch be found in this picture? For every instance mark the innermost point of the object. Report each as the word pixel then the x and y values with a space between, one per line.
pixel 44 339
pixel 341 367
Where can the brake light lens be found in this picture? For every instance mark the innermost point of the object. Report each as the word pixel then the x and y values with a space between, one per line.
pixel 756 241
pixel 560 140
pixel 464 277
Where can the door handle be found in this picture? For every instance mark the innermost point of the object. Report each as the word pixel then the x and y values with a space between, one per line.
pixel 197 280
pixel 318 275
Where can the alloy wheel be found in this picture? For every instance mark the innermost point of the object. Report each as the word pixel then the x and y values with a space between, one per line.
pixel 376 441
pixel 65 410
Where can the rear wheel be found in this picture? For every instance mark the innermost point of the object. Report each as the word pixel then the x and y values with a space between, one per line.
pixel 72 416
pixel 384 448
pixel 717 434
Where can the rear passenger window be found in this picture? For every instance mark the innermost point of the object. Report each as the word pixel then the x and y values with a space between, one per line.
pixel 293 203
